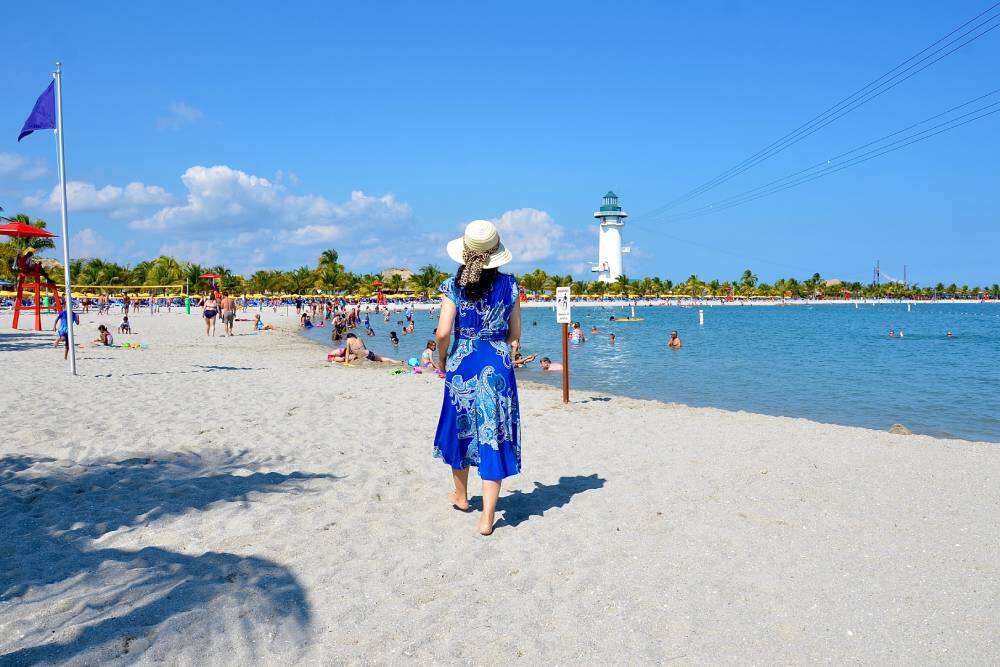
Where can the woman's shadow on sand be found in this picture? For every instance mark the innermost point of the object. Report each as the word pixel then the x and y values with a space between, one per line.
pixel 518 506
pixel 74 599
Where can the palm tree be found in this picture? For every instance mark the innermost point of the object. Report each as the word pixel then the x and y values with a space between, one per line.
pixel 266 282
pixel 329 257
pixel 395 284
pixel 535 281
pixel 622 285
pixel 164 270
pixel 300 279
pixel 192 276
pixel 327 278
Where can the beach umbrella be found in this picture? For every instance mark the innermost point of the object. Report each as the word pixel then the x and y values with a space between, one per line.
pixel 212 277
pixel 19 230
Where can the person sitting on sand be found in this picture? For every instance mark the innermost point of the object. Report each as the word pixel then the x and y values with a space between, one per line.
pixel 520 361
pixel 258 324
pixel 62 331
pixel 547 365
pixel 104 336
pixel 125 327
pixel 675 341
pixel 338 356
pixel 356 350
pixel 427 356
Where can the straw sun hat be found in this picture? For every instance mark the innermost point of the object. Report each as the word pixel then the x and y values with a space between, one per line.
pixel 481 236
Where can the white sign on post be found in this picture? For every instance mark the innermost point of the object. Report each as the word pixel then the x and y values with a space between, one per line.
pixel 562 306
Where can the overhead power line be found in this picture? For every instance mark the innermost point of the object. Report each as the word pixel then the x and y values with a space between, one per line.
pixel 910 67
pixel 853 157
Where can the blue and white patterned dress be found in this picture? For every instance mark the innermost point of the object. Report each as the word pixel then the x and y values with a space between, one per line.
pixel 480 423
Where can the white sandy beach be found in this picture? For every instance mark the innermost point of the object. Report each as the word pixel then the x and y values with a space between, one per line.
pixel 240 501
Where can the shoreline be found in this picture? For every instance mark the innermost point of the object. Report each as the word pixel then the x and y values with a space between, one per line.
pixel 600 394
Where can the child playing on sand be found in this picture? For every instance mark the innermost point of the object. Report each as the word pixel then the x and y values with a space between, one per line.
pixel 427 356
pixel 125 327
pixel 104 336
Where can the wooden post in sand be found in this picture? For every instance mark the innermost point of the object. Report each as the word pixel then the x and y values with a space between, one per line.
pixel 563 317
pixel 565 337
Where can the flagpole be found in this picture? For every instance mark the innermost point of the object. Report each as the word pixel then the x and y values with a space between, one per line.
pixel 68 294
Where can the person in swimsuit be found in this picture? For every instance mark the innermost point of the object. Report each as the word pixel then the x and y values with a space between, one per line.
pixel 210 310
pixel 356 350
pixel 427 356
pixel 675 341
pixel 547 365
pixel 521 361
pixel 104 336
pixel 228 313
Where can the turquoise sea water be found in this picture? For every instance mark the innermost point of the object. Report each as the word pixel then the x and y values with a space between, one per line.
pixel 828 363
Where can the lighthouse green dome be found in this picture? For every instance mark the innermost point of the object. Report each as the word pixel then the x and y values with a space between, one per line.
pixel 611 202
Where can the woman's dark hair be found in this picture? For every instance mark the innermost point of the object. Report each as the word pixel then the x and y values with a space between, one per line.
pixel 477 290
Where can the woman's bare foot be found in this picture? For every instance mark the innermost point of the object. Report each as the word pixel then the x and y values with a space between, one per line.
pixel 486 525
pixel 458 503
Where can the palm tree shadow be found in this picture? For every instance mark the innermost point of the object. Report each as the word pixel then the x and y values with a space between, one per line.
pixel 71 599
pixel 519 506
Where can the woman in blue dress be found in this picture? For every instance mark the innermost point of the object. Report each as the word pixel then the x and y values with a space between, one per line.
pixel 480 424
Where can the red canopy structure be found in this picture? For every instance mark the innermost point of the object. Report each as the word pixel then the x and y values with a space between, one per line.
pixel 19 230
pixel 29 274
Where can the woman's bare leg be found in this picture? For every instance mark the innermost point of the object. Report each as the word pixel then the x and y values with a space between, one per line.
pixel 460 496
pixel 491 491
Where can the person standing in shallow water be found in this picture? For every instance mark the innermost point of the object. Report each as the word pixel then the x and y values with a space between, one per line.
pixel 480 423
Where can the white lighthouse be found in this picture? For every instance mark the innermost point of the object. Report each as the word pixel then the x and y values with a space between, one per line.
pixel 609 251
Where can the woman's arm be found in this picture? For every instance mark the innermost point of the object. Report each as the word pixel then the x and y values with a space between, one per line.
pixel 446 322
pixel 514 328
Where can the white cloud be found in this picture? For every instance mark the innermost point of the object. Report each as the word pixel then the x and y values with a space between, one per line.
pixel 199 252
pixel 178 115
pixel 230 199
pixel 17 166
pixel 119 201
pixel 311 234
pixel 88 243
pixel 530 234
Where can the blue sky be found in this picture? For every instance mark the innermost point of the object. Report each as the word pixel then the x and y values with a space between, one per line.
pixel 257 134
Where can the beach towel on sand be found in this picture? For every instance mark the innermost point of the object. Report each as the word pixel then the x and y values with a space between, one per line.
pixel 480 424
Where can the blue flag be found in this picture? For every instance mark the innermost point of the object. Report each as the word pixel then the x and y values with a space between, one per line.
pixel 43 116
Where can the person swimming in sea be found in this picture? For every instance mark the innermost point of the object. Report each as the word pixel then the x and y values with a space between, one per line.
pixel 675 341
pixel 547 365
pixel 520 361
